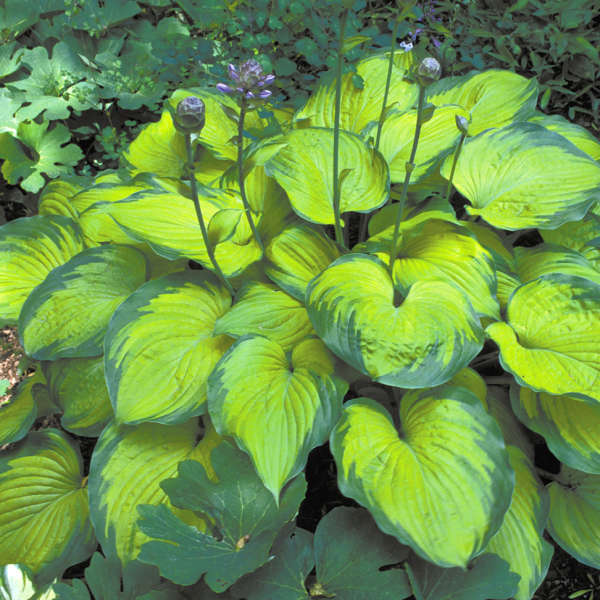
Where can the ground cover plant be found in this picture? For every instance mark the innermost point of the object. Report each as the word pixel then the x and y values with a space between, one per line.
pixel 405 267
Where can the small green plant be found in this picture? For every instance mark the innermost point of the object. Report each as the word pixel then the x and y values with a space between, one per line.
pixel 193 313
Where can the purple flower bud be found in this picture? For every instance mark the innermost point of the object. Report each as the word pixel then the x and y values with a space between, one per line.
pixel 249 94
pixel 265 94
pixel 223 87
pixel 233 74
pixel 189 116
pixel 436 42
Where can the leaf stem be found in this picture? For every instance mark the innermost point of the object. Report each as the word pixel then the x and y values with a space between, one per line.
pixel 410 165
pixel 364 219
pixel 336 132
pixel 194 187
pixel 240 165
pixel 454 161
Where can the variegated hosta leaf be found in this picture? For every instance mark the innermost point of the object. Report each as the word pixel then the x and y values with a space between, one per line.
pixel 493 98
pixel 18 414
pixel 576 134
pixel 524 175
pixel 569 425
pixel 299 253
pixel 439 135
pixel 264 309
pixel 29 249
pixel 519 540
pixel 159 149
pixel 172 318
pixel 304 169
pixel 77 386
pixel 67 314
pixel 441 250
pixel 578 236
pixel 127 467
pixel 575 515
pixel 471 380
pixel 167 221
pixel 57 195
pixel 551 339
pixel 441 486
pixel 44 522
pixel 421 341
pixel 266 400
pixel 359 107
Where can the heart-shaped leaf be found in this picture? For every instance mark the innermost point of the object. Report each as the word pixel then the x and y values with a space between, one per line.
pixel 442 486
pixel 550 341
pixel 148 324
pixel 422 341
pixel 45 521
pixel 524 175
pixel 256 388
pixel 67 314
pixel 304 169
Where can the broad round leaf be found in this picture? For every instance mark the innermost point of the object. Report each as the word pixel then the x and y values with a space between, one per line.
pixel 266 400
pixel 551 340
pixel 77 386
pixel 575 515
pixel 361 106
pixel 524 175
pixel 439 135
pixel 56 198
pixel 29 249
pixel 578 236
pixel 304 169
pixel 493 98
pixel 299 253
pixel 67 314
pixel 44 522
pixel 18 414
pixel 127 467
pixel 264 309
pixel 519 540
pixel 173 318
pixel 569 425
pixel 423 341
pixel 441 250
pixel 441 486
pixel 167 221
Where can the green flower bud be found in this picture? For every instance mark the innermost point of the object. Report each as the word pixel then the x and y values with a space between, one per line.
pixel 428 71
pixel 190 115
pixel 462 124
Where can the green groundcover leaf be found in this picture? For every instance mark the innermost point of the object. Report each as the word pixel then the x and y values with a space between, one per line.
pixel 303 168
pixel 77 386
pixel 519 540
pixel 127 467
pixel 422 341
pixel 45 521
pixel 292 269
pixel 243 512
pixel 575 515
pixel 550 341
pixel 493 98
pixel 349 553
pixel 488 578
pixel 172 317
pixel 442 485
pixel 569 425
pixel 67 314
pixel 30 248
pixel 524 175
pixel 264 309
pixel 266 398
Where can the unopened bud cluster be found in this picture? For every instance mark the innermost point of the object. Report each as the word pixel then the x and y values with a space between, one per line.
pixel 428 71
pixel 190 115
pixel 249 81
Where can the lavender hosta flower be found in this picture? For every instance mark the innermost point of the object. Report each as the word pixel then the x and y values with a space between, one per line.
pixel 249 81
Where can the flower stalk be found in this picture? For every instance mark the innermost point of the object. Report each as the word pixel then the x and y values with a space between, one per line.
pixel 339 237
pixel 428 71
pixel 463 126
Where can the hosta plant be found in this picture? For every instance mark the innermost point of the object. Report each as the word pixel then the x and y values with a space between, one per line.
pixel 215 311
